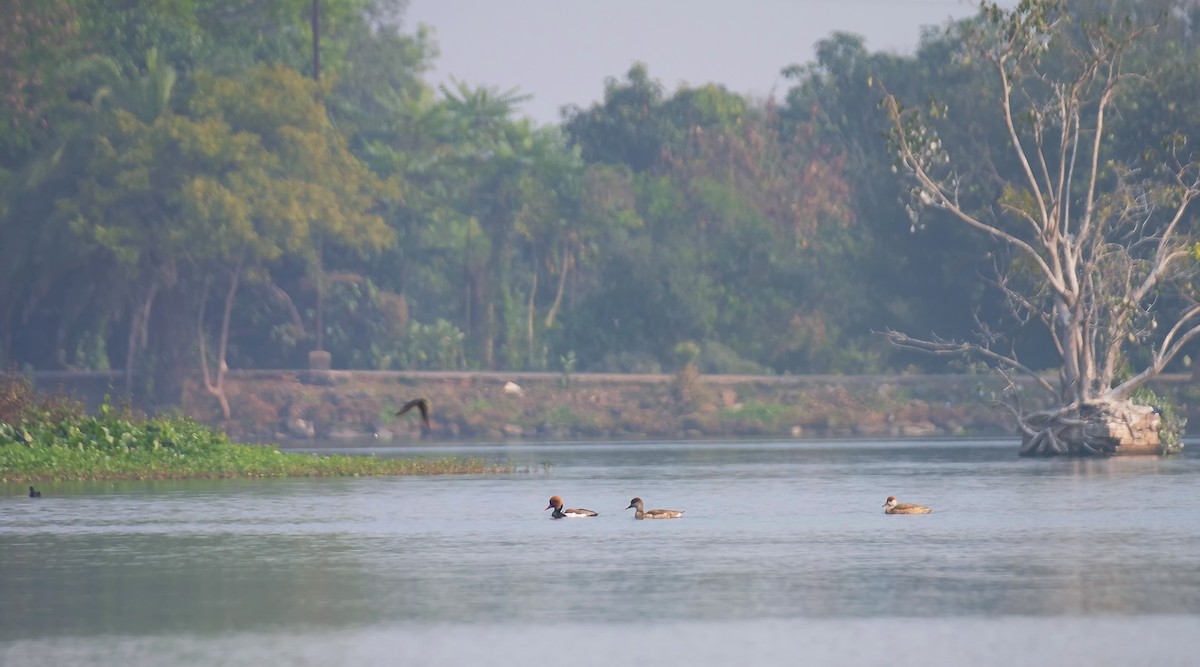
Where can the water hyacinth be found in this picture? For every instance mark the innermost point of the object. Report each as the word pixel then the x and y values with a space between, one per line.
pixel 50 438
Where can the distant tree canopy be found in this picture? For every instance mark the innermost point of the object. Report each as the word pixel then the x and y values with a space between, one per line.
pixel 162 155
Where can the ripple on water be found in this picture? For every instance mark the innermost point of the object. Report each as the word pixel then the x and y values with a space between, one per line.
pixel 784 550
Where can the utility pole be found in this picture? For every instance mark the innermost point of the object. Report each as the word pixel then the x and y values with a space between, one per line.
pixel 318 358
pixel 316 30
pixel 316 26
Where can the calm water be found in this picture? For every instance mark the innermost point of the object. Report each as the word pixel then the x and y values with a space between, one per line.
pixel 784 556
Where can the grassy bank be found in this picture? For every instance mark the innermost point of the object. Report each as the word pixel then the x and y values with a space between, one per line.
pixel 49 438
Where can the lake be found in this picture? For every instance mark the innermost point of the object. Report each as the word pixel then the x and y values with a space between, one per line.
pixel 784 556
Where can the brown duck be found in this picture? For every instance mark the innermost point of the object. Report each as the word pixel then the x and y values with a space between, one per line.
pixel 892 507
pixel 560 513
pixel 652 514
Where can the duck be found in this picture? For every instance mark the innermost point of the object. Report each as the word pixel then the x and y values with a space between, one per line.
pixel 560 513
pixel 652 514
pixel 34 493
pixel 422 406
pixel 892 507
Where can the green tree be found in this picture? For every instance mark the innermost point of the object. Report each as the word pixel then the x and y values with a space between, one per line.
pixel 745 231
pixel 629 127
pixel 37 37
pixel 253 171
pixel 909 276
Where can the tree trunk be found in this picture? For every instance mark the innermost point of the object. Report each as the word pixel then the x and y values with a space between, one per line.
pixel 529 312
pixel 562 285
pixel 139 332
pixel 320 324
pixel 471 298
pixel 489 340
pixel 217 388
pixel 6 334
pixel 477 316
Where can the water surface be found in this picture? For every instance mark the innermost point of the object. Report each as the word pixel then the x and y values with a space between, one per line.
pixel 784 554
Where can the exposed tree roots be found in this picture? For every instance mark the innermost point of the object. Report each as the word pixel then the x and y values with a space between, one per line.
pixel 1097 429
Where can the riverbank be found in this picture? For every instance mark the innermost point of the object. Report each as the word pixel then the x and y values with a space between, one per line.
pixel 295 407
pixel 303 405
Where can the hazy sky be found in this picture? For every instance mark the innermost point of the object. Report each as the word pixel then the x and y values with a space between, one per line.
pixel 560 51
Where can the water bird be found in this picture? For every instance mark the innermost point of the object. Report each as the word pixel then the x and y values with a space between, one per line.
pixel 560 513
pixel 892 507
pixel 652 514
pixel 34 493
pixel 421 405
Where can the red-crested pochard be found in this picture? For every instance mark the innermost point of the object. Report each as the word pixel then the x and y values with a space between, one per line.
pixel 560 513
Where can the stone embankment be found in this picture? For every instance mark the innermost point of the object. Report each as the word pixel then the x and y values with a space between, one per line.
pixel 289 405
pixel 301 405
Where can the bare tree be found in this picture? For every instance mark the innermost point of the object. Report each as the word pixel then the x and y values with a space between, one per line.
pixel 1096 248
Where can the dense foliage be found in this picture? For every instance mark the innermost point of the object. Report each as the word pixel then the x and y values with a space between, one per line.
pixel 175 188
pixel 51 438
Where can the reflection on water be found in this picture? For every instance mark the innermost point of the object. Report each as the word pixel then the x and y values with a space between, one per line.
pixel 784 537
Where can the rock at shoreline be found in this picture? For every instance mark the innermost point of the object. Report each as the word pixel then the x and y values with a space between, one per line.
pixel 301 428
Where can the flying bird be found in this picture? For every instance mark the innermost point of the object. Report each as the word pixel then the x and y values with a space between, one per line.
pixel 420 404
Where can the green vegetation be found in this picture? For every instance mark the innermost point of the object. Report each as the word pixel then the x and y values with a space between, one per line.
pixel 766 415
pixel 1172 425
pixel 49 438
pixel 179 195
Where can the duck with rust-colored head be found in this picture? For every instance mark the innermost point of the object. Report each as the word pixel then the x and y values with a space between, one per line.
pixel 560 513
pixel 892 507
pixel 642 513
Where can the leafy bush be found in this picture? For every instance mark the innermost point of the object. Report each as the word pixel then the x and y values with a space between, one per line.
pixel 19 401
pixel 718 359
pixel 755 417
pixel 437 346
pixel 1171 423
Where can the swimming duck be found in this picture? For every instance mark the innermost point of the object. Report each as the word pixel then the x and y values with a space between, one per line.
pixel 34 493
pixel 903 508
pixel 652 514
pixel 560 513
pixel 422 405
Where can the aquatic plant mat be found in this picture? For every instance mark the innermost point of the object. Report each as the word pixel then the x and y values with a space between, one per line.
pixel 50 438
